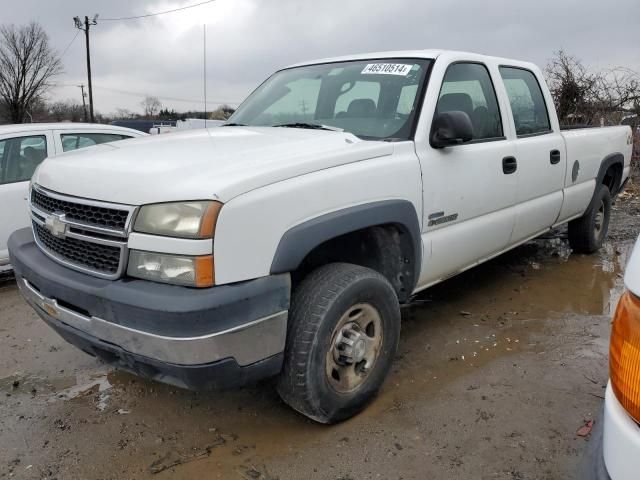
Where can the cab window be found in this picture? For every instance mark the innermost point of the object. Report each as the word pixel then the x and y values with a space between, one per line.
pixel 20 156
pixel 527 102
pixel 467 87
pixel 74 141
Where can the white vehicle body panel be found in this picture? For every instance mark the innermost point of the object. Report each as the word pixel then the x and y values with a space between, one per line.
pixel 621 440
pixel 278 207
pixel 273 179
pixel 632 272
pixel 621 437
pixel 589 147
pixel 13 196
pixel 220 163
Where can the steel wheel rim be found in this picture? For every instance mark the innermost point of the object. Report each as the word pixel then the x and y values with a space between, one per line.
pixel 356 343
pixel 599 221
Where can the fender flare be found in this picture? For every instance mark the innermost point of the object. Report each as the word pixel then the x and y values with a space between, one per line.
pixel 300 240
pixel 608 162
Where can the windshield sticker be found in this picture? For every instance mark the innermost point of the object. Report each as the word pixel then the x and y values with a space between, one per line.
pixel 387 69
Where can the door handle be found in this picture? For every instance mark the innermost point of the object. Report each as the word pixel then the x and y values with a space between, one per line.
pixel 509 165
pixel 554 157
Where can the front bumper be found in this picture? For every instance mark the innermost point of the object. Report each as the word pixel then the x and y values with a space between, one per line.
pixel 160 331
pixel 621 440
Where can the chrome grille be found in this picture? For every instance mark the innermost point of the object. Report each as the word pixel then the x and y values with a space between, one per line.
pixel 100 258
pixel 85 235
pixel 89 214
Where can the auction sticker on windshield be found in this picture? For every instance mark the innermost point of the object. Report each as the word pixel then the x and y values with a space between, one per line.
pixel 387 69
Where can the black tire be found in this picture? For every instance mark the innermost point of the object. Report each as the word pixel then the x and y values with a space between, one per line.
pixel 318 307
pixel 588 233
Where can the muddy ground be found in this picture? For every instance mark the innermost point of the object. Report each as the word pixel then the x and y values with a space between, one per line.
pixel 498 369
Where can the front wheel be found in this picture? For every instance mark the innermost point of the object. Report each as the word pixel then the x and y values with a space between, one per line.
pixel 343 333
pixel 588 233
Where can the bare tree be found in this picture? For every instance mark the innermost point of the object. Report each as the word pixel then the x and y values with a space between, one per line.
pixel 585 96
pixel 123 114
pixel 67 110
pixel 27 66
pixel 223 112
pixel 151 106
pixel 571 86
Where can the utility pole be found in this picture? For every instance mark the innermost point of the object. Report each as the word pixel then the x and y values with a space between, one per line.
pixel 204 58
pixel 303 107
pixel 84 103
pixel 85 26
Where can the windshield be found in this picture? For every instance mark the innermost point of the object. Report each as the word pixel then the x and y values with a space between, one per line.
pixel 373 99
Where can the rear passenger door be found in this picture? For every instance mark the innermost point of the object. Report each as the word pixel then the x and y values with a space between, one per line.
pixel 540 154
pixel 469 190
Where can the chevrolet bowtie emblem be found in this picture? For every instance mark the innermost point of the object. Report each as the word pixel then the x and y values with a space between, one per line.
pixel 56 225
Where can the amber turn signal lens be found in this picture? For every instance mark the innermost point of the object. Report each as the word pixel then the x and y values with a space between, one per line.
pixel 204 271
pixel 624 354
pixel 209 220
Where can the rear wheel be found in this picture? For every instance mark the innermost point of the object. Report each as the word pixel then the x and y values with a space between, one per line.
pixel 588 233
pixel 343 333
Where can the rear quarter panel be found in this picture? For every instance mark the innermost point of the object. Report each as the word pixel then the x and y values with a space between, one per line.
pixel 585 150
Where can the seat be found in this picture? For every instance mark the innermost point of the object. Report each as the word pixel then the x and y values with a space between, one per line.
pixel 29 161
pixel 361 107
pixel 461 102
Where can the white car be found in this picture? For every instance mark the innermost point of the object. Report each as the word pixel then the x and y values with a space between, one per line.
pixel 283 242
pixel 23 147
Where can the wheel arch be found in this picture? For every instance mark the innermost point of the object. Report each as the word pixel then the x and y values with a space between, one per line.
pixel 610 172
pixel 389 222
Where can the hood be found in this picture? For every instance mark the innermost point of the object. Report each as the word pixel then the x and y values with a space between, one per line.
pixel 218 163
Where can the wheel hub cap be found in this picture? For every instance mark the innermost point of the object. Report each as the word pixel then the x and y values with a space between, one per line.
pixel 350 345
pixel 354 349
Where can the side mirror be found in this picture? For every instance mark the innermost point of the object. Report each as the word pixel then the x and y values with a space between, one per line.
pixel 450 128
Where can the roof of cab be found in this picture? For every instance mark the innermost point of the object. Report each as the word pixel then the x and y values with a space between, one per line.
pixel 32 127
pixel 430 54
pixel 363 56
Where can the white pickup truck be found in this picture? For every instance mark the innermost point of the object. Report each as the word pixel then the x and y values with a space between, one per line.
pixel 284 242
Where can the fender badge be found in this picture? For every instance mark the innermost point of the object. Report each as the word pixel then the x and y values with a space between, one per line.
pixel 439 220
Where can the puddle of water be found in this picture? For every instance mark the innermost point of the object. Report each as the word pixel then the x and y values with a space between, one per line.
pixel 86 385
pixel 60 388
pixel 489 313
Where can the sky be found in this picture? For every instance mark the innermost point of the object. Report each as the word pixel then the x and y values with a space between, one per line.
pixel 247 40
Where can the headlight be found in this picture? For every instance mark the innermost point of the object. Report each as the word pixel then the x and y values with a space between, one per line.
pixel 173 269
pixel 181 219
pixel 624 354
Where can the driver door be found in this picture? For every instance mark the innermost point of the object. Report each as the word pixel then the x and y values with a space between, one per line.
pixel 469 190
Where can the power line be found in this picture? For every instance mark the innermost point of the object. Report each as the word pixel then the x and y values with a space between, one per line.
pixel 70 43
pixel 172 99
pixel 142 95
pixel 157 13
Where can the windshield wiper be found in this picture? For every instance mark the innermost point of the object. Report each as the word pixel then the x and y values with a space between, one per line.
pixel 233 125
pixel 312 126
